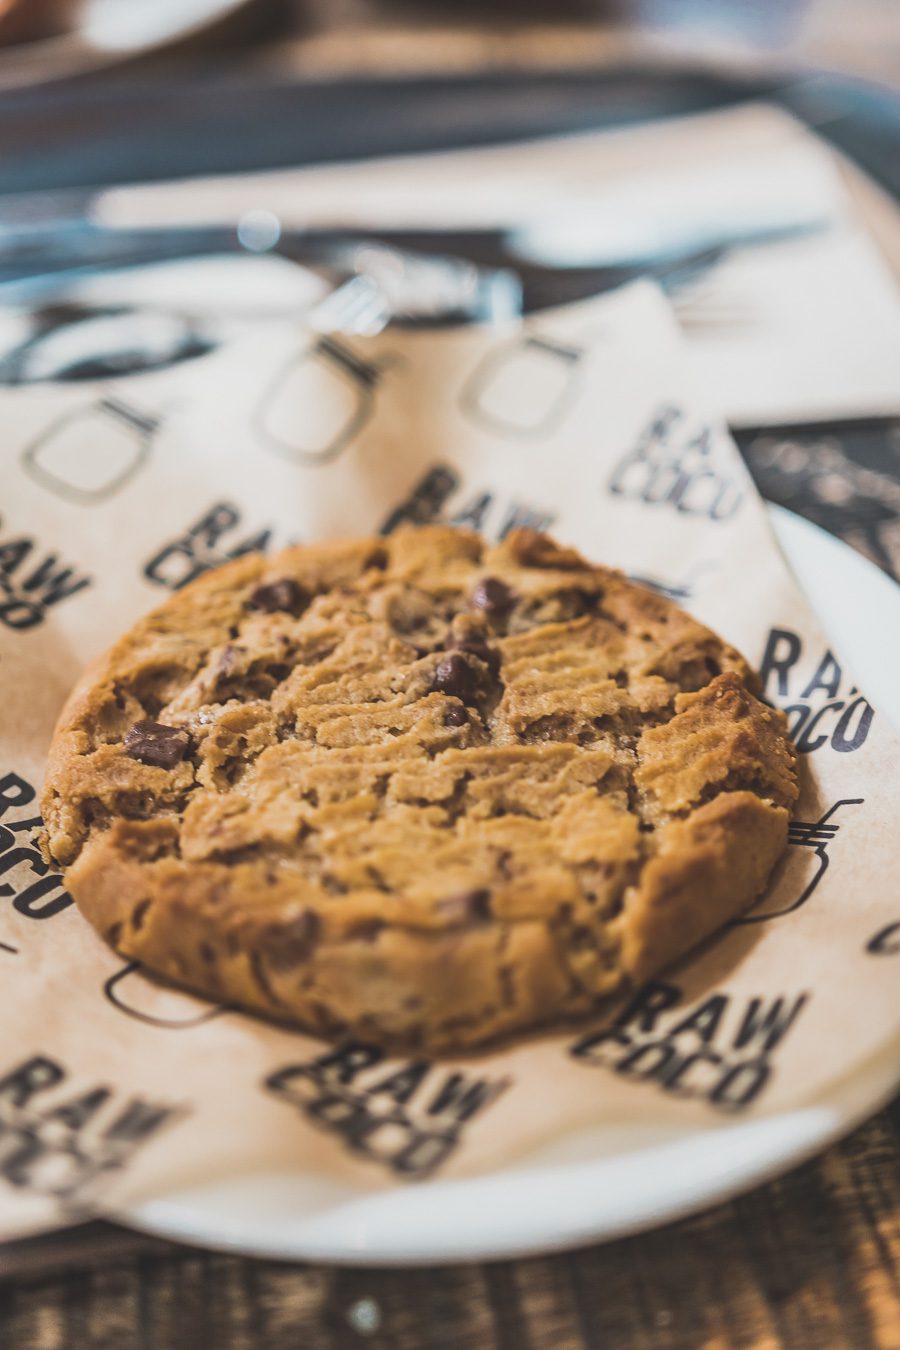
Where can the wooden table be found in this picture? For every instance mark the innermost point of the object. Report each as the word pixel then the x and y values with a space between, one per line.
pixel 809 1262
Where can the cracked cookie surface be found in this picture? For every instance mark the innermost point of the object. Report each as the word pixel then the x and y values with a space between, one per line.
pixel 422 790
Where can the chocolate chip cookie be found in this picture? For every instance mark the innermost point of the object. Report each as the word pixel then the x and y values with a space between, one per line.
pixel 422 790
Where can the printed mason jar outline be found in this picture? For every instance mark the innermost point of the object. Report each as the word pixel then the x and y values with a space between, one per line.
pixel 140 426
pixel 360 376
pixel 816 835
pixel 478 384
pixel 166 1023
pixel 127 351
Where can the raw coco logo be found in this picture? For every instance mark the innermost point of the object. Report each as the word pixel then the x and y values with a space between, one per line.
pixel 31 580
pixel 677 464
pixel 718 1051
pixel 821 712
pixel 63 1138
pixel 427 504
pixel 36 892
pixel 207 543
pixel 408 1117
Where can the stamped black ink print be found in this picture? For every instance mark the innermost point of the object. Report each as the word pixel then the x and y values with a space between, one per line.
pixel 473 513
pixel 77 341
pixel 428 504
pixel 799 875
pixel 129 990
pixel 213 539
pixel 408 1117
pixel 819 713
pixel 674 590
pixel 318 402
pixel 524 388
pixel 677 463
pixel 515 515
pixel 27 885
pixel 90 452
pixel 32 888
pixel 719 1051
pixel 886 941
pixel 64 1138
pixel 32 579
pixel 679 591
pixel 425 504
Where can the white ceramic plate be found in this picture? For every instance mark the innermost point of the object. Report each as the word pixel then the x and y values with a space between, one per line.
pixel 638 1186
pixel 107 31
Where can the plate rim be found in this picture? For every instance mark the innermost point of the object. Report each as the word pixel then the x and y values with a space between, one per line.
pixel 345 1234
pixel 812 1130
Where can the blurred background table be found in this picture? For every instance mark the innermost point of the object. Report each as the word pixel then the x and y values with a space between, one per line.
pixel 395 37
pixel 807 1262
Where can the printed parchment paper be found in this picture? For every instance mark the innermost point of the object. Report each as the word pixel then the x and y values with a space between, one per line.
pixel 584 420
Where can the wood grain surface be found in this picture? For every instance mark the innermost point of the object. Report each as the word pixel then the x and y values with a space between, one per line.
pixel 808 1262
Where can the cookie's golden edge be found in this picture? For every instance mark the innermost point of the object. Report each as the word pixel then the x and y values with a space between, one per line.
pixel 710 868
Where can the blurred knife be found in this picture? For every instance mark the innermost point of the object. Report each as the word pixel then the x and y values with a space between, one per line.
pixel 35 266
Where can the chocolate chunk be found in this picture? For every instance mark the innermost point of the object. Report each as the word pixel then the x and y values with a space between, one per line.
pixel 156 744
pixel 456 716
pixel 366 930
pixel 493 596
pixel 489 655
pixel 290 944
pixel 466 906
pixel 454 676
pixel 575 601
pixel 285 594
